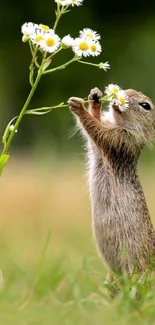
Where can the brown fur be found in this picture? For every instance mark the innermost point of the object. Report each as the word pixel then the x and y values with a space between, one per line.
pixel 121 223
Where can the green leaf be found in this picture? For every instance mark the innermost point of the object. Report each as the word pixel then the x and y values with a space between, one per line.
pixel 65 12
pixel 36 62
pixel 7 132
pixel 47 63
pixel 31 76
pixel 3 160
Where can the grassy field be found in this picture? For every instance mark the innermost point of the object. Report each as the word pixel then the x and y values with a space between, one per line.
pixel 50 271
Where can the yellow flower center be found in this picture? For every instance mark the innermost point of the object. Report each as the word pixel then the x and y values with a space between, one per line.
pixel 93 47
pixel 89 35
pixel 83 46
pixel 115 90
pixel 50 42
pixel 73 1
pixel 115 93
pixel 45 27
pixel 122 101
pixel 38 38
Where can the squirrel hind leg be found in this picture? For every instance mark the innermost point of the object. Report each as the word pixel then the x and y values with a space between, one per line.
pixel 95 103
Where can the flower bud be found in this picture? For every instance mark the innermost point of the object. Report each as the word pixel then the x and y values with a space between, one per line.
pixel 11 128
pixel 25 38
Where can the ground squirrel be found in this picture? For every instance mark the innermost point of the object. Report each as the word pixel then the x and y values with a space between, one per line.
pixel 121 223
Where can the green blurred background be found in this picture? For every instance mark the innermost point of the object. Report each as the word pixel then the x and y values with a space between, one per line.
pixel 128 34
pixel 44 187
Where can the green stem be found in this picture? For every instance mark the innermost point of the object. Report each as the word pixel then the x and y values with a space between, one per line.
pixel 59 13
pixel 10 138
pixel 63 66
pixel 89 63
pixel 46 108
pixel 58 16
pixel 60 49
pixel 56 22
pixel 31 48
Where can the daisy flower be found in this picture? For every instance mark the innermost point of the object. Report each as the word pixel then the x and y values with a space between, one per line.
pixel 28 28
pixel 112 91
pixel 81 47
pixel 105 66
pixel 50 42
pixel 63 2
pixel 122 101
pixel 67 41
pixel 37 36
pixel 95 48
pixel 76 2
pixel 90 34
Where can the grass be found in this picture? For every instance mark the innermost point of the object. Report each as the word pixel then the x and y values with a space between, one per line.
pixel 50 270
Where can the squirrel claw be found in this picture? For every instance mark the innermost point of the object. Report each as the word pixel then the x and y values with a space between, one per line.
pixel 76 104
pixel 95 95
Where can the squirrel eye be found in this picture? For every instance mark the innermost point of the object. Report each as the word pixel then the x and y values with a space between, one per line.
pixel 146 106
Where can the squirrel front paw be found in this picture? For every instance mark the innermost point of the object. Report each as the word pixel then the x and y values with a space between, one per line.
pixel 76 105
pixel 95 95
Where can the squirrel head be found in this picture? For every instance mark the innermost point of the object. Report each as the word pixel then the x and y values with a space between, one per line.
pixel 138 118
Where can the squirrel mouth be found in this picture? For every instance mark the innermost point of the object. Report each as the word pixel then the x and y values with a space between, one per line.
pixel 115 107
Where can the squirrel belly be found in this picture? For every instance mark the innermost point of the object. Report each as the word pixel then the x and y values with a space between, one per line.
pixel 123 234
